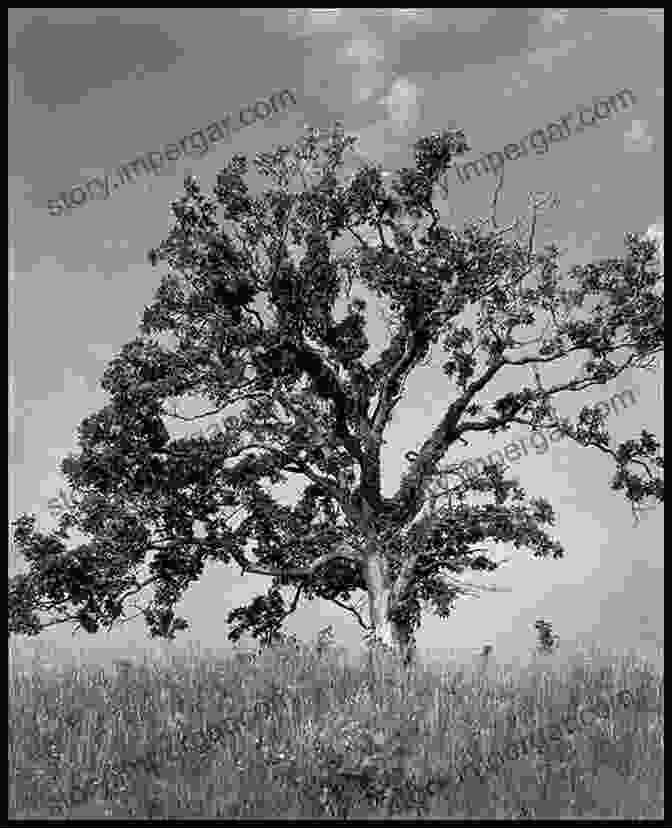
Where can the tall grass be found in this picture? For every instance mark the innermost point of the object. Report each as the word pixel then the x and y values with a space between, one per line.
pixel 294 733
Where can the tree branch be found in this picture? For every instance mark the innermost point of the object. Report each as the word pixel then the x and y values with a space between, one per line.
pixel 348 442
pixel 352 610
pixel 392 383
pixel 409 495
pixel 345 551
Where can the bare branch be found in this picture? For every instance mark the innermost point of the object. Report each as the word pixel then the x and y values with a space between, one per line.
pixel 469 586
pixel 352 610
pixel 295 600
pixel 195 417
pixel 498 190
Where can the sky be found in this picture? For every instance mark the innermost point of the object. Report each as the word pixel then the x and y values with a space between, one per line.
pixel 92 88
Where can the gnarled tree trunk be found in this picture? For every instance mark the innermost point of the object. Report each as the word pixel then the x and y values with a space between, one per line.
pixel 384 627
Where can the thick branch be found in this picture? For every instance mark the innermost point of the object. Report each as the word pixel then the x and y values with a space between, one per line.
pixel 405 579
pixel 345 551
pixel 391 386
pixel 327 386
pixel 409 496
pixel 348 441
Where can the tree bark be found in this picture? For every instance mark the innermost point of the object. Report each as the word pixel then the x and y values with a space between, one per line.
pixel 384 627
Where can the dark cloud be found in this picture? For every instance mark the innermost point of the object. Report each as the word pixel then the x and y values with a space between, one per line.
pixel 61 63
pixel 447 47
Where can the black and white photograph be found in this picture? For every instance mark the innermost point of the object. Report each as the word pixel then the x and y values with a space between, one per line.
pixel 336 416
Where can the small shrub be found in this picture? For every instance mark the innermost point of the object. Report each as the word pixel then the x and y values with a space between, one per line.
pixel 547 640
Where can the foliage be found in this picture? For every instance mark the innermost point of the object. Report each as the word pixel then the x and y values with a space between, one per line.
pixel 548 641
pixel 256 316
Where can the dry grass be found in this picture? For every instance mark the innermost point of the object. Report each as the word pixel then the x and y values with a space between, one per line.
pixel 302 735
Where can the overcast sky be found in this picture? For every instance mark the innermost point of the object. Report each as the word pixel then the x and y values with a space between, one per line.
pixel 92 88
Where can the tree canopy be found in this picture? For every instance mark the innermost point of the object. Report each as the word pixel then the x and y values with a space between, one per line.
pixel 246 317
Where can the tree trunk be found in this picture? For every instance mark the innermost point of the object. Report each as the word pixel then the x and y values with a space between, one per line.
pixel 384 628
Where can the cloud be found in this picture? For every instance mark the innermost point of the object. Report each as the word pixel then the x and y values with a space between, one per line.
pixel 364 51
pixel 551 18
pixel 547 54
pixel 403 104
pixel 367 53
pixel 345 66
pixel 106 50
pixel 313 21
pixel 319 18
pixel 402 17
pixel 467 37
pixel 637 139
pixel 359 71
pixel 390 133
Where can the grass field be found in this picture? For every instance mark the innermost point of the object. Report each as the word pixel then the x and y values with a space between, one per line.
pixel 301 734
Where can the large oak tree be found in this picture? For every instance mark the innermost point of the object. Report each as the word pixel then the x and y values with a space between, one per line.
pixel 247 319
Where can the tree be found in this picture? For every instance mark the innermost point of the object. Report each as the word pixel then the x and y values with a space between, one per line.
pixel 547 641
pixel 246 319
